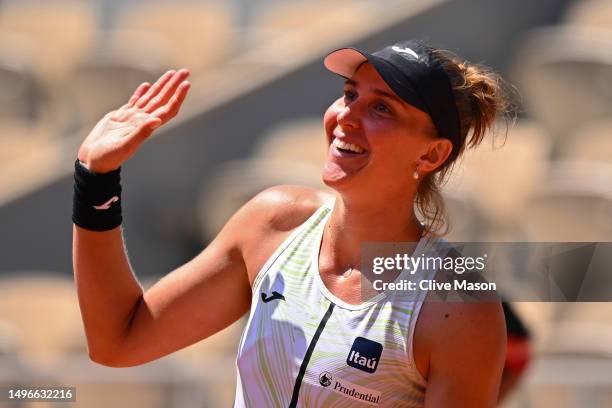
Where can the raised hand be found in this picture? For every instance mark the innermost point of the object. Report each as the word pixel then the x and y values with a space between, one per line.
pixel 119 134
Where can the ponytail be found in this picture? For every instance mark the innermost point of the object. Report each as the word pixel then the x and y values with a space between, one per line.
pixel 481 96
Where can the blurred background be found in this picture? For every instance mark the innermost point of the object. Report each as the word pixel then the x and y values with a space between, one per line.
pixel 252 120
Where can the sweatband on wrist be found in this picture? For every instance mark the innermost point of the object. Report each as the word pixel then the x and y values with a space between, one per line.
pixel 96 204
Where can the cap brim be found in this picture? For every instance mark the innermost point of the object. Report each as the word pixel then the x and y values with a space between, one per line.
pixel 345 61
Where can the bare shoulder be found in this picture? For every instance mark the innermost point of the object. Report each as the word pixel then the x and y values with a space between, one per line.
pixel 445 323
pixel 471 307
pixel 284 207
pixel 460 348
pixel 270 217
pixel 459 320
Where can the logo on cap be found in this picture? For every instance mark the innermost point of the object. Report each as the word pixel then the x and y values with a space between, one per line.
pixel 406 50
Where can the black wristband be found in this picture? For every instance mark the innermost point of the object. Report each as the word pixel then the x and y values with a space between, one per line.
pixel 96 204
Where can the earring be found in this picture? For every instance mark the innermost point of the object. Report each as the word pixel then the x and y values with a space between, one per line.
pixel 415 175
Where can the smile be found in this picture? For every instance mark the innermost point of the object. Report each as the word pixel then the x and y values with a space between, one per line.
pixel 347 148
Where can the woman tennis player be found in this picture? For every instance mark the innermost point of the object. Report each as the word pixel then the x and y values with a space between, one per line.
pixel 290 255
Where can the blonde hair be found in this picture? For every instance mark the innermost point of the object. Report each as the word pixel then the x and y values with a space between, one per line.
pixel 481 96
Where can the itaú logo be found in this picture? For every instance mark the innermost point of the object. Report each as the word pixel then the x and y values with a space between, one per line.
pixel 364 355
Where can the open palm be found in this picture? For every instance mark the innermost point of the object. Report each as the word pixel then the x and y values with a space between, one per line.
pixel 119 134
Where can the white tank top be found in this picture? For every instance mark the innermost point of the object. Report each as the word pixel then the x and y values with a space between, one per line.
pixel 304 347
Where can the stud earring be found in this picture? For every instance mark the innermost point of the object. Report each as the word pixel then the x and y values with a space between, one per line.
pixel 415 175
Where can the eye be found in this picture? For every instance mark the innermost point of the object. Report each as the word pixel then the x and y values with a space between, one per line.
pixel 382 107
pixel 349 95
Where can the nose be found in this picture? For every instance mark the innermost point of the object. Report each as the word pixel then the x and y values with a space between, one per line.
pixel 348 117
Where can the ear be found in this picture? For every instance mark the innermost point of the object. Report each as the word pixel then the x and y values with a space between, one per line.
pixel 435 156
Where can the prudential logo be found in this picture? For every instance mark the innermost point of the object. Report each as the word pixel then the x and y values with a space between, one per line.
pixel 349 390
pixel 364 355
pixel 325 379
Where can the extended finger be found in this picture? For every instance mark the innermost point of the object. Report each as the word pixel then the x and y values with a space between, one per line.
pixel 142 88
pixel 167 91
pixel 170 109
pixel 154 89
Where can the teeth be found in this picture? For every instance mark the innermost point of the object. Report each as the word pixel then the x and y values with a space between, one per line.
pixel 347 146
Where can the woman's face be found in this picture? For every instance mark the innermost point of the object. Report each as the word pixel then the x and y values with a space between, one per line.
pixel 387 136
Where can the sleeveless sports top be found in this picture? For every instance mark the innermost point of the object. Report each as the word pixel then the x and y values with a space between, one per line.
pixel 304 347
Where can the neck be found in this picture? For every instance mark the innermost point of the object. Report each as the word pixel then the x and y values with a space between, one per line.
pixel 353 223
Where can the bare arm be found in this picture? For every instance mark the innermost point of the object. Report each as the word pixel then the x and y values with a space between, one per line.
pixel 123 325
pixel 465 345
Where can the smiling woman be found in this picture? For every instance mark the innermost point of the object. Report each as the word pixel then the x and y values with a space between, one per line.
pixel 435 96
pixel 290 256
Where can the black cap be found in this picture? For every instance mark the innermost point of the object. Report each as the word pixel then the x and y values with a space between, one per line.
pixel 414 73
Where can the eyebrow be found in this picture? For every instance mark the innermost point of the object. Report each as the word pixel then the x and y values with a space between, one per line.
pixel 389 95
